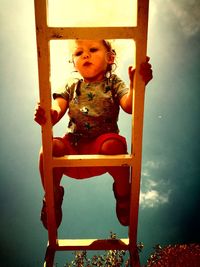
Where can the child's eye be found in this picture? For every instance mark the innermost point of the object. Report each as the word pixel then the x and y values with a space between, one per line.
pixel 93 49
pixel 78 53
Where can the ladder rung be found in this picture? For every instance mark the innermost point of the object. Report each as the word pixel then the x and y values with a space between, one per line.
pixel 97 32
pixel 93 244
pixel 93 160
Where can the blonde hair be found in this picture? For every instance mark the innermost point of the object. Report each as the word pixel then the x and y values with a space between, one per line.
pixel 108 46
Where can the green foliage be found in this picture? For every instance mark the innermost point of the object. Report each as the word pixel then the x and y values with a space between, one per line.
pixel 111 258
pixel 186 255
pixel 175 256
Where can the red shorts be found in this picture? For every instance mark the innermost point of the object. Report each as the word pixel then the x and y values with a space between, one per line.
pixel 89 147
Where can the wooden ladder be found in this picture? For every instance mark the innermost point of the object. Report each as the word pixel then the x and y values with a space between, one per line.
pixel 139 35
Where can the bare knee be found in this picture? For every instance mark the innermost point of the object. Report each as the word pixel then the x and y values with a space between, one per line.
pixel 58 148
pixel 113 147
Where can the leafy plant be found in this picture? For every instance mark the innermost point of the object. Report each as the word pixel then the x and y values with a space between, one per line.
pixel 111 258
pixel 175 256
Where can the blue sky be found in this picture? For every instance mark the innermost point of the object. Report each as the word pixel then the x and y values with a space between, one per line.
pixel 170 173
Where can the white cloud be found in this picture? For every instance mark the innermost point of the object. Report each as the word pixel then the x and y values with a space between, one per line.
pixel 153 198
pixel 152 164
pixel 154 192
pixel 152 183
pixel 145 174
pixel 187 13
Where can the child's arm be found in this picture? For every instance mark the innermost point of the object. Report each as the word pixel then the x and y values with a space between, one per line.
pixel 146 73
pixel 59 107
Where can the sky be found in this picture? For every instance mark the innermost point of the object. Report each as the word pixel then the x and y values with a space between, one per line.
pixel 170 179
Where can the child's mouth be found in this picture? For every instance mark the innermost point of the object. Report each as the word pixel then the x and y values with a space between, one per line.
pixel 87 64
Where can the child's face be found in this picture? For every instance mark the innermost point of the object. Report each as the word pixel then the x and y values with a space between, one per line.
pixel 91 59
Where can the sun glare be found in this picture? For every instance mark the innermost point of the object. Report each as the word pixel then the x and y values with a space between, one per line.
pixel 89 13
pixel 92 13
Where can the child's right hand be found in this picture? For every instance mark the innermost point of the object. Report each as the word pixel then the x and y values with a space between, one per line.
pixel 40 116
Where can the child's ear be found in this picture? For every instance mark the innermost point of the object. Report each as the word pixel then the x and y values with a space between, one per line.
pixel 110 58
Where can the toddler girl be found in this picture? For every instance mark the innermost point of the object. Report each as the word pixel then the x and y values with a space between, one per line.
pixel 93 104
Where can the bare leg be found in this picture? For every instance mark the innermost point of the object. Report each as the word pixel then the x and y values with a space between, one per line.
pixel 121 176
pixel 58 150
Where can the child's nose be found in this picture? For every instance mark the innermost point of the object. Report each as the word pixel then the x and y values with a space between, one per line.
pixel 86 55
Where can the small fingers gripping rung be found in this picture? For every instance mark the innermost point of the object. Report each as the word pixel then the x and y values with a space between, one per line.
pixel 93 160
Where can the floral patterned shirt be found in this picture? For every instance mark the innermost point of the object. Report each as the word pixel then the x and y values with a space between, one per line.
pixel 93 107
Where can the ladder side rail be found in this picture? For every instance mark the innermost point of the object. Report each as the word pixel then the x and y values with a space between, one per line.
pixel 137 126
pixel 45 102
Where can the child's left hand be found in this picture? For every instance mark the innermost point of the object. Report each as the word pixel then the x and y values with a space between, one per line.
pixel 145 71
